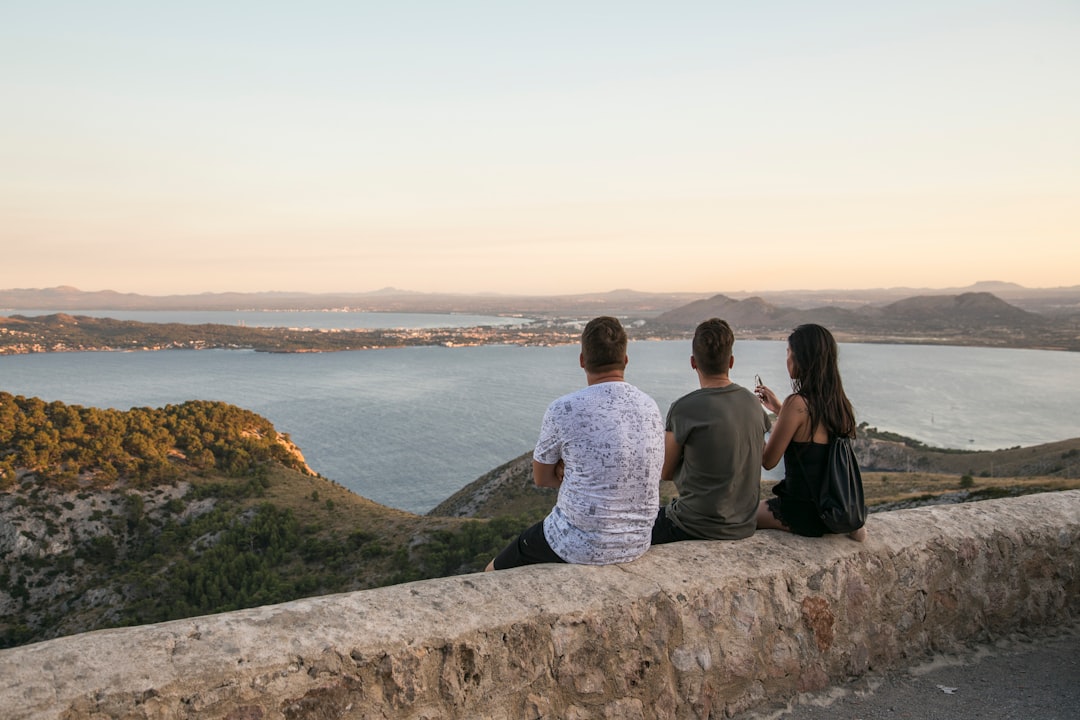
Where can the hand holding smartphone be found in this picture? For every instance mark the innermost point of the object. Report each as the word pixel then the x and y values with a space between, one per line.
pixel 759 389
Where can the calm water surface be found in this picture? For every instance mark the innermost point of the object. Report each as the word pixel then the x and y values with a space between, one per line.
pixel 314 319
pixel 408 427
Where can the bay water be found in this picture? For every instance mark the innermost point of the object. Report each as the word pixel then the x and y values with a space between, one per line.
pixel 302 319
pixel 408 427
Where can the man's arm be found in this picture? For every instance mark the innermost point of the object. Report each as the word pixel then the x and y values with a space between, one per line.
pixel 549 476
pixel 672 456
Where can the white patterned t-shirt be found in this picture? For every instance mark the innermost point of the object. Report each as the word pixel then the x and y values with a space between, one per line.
pixel 611 438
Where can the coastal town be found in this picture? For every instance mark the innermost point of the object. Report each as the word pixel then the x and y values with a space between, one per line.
pixel 66 333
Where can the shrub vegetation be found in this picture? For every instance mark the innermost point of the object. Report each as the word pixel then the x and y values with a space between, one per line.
pixel 146 515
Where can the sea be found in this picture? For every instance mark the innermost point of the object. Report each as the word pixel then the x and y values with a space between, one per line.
pixel 299 319
pixel 408 427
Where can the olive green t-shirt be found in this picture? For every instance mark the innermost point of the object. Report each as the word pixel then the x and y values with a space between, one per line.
pixel 722 433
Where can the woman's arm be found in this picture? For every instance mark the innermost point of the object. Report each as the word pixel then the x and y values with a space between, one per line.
pixel 789 420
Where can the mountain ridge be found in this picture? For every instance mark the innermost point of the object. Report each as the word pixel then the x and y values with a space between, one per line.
pixel 388 299
pixel 972 318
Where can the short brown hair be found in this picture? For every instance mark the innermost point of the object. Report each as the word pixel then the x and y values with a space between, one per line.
pixel 713 340
pixel 603 345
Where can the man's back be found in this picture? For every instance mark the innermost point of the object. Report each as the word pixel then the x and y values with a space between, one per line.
pixel 610 437
pixel 722 432
pixel 603 447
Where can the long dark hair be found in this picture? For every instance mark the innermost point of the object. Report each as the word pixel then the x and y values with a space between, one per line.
pixel 817 378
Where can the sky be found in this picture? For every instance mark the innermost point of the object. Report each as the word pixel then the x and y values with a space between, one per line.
pixel 538 148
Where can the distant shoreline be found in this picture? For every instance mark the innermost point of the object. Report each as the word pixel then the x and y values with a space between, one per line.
pixel 1016 317
pixel 67 333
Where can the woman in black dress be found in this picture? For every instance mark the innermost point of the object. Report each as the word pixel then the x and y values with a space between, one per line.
pixel 816 409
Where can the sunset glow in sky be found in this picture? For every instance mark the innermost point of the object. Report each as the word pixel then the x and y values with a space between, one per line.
pixel 543 148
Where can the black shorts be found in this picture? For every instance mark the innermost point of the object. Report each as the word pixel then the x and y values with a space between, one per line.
pixel 799 516
pixel 530 548
pixel 665 530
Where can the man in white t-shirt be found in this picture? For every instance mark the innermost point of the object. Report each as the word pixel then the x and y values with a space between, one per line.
pixel 603 448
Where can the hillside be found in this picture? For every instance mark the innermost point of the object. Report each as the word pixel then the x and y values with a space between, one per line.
pixel 116 518
pixel 895 469
pixel 506 490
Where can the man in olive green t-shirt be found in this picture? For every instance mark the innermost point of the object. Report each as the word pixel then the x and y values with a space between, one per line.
pixel 713 442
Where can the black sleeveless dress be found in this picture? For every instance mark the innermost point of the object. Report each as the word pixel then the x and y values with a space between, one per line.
pixel 793 503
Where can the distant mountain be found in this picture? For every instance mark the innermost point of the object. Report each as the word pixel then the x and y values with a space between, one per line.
pixel 968 310
pixel 392 291
pixel 1057 300
pixel 973 318
pixel 750 315
pixel 623 302
pixel 752 312
pixel 616 302
pixel 69 298
pixel 998 287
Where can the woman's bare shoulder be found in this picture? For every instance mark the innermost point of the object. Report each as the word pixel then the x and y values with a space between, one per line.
pixel 797 402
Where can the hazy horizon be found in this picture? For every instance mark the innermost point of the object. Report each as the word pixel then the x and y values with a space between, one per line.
pixel 548 149
pixel 482 293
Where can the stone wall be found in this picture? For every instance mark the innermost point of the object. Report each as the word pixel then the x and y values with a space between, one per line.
pixel 692 630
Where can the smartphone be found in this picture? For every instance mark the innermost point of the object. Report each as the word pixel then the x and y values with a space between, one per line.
pixel 757 379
